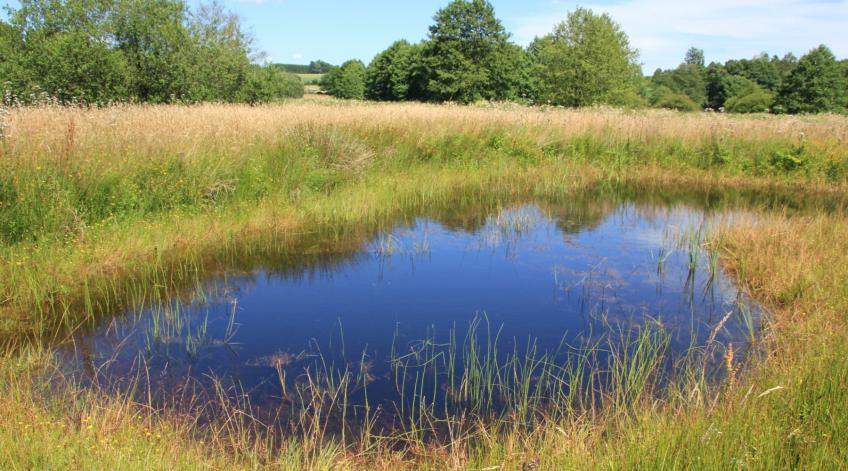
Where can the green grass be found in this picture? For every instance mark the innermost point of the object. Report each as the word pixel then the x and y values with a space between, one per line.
pixel 310 79
pixel 103 209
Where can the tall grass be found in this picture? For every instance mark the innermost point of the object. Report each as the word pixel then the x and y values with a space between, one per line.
pixel 103 208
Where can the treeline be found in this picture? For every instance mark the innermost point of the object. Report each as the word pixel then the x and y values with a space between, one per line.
pixel 314 67
pixel 162 51
pixel 816 82
pixel 159 51
pixel 586 60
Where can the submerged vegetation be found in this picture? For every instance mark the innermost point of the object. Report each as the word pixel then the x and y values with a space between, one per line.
pixel 132 205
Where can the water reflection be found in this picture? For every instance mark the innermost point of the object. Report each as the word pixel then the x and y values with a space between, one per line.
pixel 449 291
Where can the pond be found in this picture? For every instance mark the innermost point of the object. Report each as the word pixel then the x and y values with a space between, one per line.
pixel 471 310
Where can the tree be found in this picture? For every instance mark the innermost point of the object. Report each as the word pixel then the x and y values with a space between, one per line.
pixel 319 67
pixel 694 56
pixel 761 69
pixel 97 51
pixel 468 57
pixel 64 49
pixel 218 55
pixel 13 74
pixel 587 59
pixel 722 86
pixel 816 84
pixel 347 81
pixel 687 79
pixel 392 73
pixel 152 36
pixel 785 65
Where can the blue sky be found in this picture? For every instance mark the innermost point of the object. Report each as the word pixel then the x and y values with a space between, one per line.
pixel 298 31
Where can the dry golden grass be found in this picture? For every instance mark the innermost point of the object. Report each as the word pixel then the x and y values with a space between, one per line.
pixel 117 133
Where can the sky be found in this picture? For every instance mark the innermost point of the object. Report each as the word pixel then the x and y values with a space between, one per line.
pixel 298 31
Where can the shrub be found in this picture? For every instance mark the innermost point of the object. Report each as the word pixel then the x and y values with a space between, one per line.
pixel 268 83
pixel 677 101
pixel 759 101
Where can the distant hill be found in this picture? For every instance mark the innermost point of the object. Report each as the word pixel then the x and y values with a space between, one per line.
pixel 314 67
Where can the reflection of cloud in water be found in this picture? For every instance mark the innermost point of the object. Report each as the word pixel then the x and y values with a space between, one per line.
pixel 537 271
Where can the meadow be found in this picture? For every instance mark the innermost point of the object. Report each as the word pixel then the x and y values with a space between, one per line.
pixel 104 208
pixel 310 79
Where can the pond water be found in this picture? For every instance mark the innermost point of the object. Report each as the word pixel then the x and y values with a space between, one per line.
pixel 541 277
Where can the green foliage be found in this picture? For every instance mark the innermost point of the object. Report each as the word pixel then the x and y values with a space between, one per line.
pixel 678 102
pixel 392 73
pixel 161 51
pixel 153 39
pixel 687 79
pixel 269 83
pixel 758 101
pixel 63 49
pixel 768 73
pixel 97 51
pixel 754 79
pixel 817 84
pixel 468 57
pixel 586 60
pixel 347 81
pixel 694 56
pixel 314 67
pixel 319 67
pixel 11 44
pixel 219 63
pixel 722 86
pixel 654 93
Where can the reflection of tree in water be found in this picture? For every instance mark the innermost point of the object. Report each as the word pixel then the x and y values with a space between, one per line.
pixel 322 254
pixel 318 255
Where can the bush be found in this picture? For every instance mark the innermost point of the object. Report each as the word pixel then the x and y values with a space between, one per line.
pixel 677 101
pixel 757 102
pixel 347 81
pixel 268 83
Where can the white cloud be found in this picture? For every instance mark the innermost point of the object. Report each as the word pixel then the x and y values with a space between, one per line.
pixel 297 56
pixel 662 30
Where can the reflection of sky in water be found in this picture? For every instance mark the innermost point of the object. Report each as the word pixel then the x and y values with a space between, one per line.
pixel 538 273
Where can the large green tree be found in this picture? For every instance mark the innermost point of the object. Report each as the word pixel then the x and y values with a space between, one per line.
pixel 816 84
pixel 64 49
pixel 219 55
pixel 156 43
pixel 468 56
pixel 393 74
pixel 97 51
pixel 346 81
pixel 586 60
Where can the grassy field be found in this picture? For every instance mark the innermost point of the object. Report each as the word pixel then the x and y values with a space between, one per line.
pixel 112 207
pixel 310 79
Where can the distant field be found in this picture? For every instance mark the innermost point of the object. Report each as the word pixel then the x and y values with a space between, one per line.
pixel 310 79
